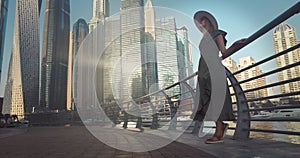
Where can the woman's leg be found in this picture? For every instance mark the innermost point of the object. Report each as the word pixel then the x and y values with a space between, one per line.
pixel 219 129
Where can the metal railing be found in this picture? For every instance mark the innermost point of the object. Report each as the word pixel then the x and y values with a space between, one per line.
pixel 180 104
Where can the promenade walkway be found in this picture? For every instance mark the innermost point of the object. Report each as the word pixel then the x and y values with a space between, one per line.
pixel 77 141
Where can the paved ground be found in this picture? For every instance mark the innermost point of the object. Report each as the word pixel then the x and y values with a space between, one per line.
pixel 77 141
pixel 73 142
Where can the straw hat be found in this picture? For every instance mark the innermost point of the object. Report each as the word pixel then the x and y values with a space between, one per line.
pixel 211 18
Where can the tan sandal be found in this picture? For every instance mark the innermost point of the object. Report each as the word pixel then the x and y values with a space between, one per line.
pixel 214 140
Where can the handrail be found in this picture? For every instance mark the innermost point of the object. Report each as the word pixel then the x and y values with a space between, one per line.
pixel 275 108
pixel 287 14
pixel 268 59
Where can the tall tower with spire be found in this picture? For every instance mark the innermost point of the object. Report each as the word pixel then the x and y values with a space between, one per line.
pixel 22 88
pixel 100 12
pixel 149 66
pixel 149 18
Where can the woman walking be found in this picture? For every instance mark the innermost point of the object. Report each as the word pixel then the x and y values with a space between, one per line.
pixel 208 25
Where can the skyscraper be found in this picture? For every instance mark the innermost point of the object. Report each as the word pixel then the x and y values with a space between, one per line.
pixel 149 66
pixel 167 54
pixel 80 30
pixel 22 88
pixel 53 94
pixel 186 58
pixel 3 19
pixel 284 37
pixel 230 64
pixel 132 31
pixel 108 60
pixel 149 18
pixel 70 71
pixel 100 12
pixel 255 71
pixel 40 5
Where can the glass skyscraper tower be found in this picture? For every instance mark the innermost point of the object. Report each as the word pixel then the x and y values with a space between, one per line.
pixel 53 95
pixel 22 88
pixel 80 31
pixel 3 19
pixel 132 40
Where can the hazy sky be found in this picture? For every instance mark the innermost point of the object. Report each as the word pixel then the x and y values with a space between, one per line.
pixel 238 18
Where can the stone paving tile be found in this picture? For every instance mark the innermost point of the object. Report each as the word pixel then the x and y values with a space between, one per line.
pixel 156 154
pixel 77 142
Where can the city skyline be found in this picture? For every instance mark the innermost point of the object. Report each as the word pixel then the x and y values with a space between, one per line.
pixel 250 22
pixel 190 8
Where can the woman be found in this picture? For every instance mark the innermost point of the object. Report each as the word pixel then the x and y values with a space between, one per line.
pixel 208 25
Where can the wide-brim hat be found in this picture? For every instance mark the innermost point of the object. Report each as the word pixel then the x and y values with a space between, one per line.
pixel 198 15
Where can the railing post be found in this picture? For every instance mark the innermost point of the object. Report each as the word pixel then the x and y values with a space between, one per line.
pixel 243 117
pixel 154 124
pixel 197 124
pixel 173 109
pixel 125 120
pixel 138 113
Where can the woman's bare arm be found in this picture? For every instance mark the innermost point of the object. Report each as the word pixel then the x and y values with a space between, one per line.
pixel 221 45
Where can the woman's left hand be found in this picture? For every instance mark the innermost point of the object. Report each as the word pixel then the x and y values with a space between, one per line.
pixel 240 42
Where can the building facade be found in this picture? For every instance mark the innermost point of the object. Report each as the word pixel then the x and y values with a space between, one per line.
pixel 167 54
pixel 3 20
pixel 284 37
pixel 185 57
pixel 132 40
pixel 149 66
pixel 255 71
pixel 53 95
pixel 80 31
pixel 100 12
pixel 22 88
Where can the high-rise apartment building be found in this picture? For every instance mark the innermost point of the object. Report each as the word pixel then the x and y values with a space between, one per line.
pixel 53 95
pixel 230 64
pixel 100 12
pixel 3 19
pixel 22 88
pixel 284 37
pixel 255 71
pixel 232 67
